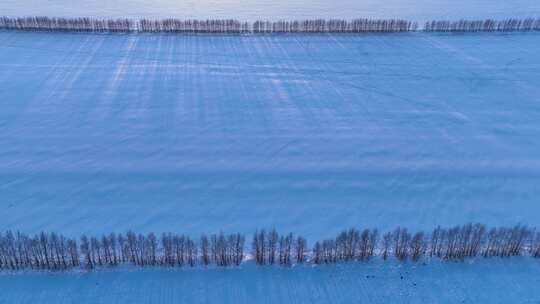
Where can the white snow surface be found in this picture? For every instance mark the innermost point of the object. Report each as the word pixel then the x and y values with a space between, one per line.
pixel 304 133
pixel 487 281
pixel 420 10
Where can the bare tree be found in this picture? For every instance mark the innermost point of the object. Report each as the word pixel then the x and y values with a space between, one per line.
pixel 417 246
pixel 300 249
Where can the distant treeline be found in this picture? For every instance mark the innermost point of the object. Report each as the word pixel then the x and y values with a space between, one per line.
pixel 52 251
pixel 488 25
pixel 235 26
pixel 205 26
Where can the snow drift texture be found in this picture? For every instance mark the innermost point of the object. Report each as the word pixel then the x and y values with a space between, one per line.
pixel 311 134
pixel 509 281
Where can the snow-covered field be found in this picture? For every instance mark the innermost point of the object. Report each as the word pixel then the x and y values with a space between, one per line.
pixel 275 9
pixel 305 133
pixel 493 281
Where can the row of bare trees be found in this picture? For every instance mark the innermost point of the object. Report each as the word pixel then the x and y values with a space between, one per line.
pixel 334 26
pixel 195 26
pixel 52 24
pixel 262 26
pixel 54 251
pixel 457 243
pixel 488 25
pixel 271 248
pixel 349 245
pixel 169 250
pixel 42 251
pixel 206 26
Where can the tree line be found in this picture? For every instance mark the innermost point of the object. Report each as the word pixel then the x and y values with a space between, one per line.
pixel 52 24
pixel 488 25
pixel 262 26
pixel 205 26
pixel 53 251
pixel 334 26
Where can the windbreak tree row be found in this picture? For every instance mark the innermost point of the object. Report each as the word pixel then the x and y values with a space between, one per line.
pixel 53 251
pixel 488 25
pixel 261 26
pixel 68 24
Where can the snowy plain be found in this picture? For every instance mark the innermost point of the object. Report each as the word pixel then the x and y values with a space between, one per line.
pixel 484 281
pixel 305 133
pixel 249 10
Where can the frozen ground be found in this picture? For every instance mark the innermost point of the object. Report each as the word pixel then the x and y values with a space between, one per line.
pixel 511 281
pixel 276 9
pixel 305 133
